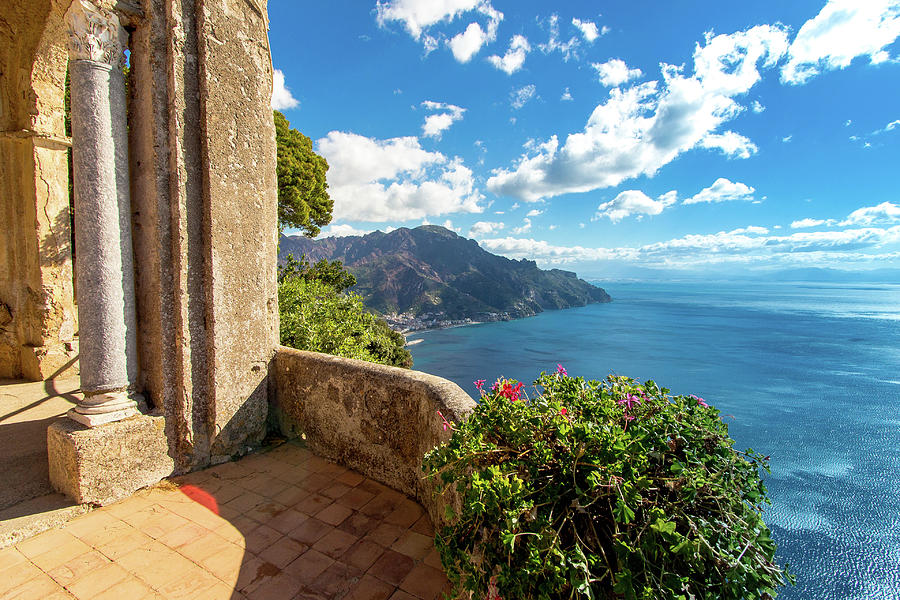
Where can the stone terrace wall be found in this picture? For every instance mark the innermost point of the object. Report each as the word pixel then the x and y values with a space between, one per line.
pixel 376 419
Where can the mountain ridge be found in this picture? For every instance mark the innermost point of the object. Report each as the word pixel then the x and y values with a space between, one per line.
pixel 431 277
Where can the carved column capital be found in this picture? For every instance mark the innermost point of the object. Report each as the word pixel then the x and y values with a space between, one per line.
pixel 96 34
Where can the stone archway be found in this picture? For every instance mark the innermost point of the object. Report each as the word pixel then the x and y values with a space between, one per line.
pixel 201 178
pixel 38 320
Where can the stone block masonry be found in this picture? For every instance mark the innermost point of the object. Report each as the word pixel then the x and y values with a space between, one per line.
pixel 100 465
pixel 376 419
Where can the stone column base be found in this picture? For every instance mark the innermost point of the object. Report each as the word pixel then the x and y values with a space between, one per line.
pixel 108 407
pixel 103 464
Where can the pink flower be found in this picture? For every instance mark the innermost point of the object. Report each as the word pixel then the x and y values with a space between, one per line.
pixel 629 401
pixel 446 424
pixel 479 384
pixel 700 401
pixel 561 370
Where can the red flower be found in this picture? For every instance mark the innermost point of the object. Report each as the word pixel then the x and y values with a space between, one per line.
pixel 508 390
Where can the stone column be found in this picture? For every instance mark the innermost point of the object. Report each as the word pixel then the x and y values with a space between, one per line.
pixel 104 269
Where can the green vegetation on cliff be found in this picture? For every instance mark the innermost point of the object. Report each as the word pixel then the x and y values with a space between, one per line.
pixel 318 314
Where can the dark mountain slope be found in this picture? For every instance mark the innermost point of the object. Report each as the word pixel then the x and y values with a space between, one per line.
pixel 430 271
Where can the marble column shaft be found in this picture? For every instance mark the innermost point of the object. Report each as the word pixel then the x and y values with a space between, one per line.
pixel 104 269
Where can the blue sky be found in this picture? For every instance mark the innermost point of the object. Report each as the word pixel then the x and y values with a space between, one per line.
pixel 604 136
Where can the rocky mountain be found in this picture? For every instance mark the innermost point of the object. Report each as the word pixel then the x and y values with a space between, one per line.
pixel 429 276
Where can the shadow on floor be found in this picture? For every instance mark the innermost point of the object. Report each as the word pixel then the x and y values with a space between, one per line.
pixel 26 411
pixel 282 523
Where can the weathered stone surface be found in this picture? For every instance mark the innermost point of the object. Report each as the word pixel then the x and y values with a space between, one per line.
pixel 238 136
pixel 203 207
pixel 107 463
pixel 35 253
pixel 204 193
pixel 376 419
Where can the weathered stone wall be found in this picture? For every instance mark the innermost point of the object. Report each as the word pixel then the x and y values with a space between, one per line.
pixel 205 216
pixel 38 319
pixel 376 419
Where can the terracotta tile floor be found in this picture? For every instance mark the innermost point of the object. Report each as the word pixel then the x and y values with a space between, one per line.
pixel 280 524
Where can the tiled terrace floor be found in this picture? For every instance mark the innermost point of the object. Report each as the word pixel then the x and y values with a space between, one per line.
pixel 280 524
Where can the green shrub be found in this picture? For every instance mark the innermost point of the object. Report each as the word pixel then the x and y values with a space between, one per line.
pixel 602 490
pixel 316 317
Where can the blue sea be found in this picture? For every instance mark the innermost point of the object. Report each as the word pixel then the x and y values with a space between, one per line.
pixel 806 373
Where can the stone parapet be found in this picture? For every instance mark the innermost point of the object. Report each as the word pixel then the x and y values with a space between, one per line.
pixel 101 465
pixel 376 419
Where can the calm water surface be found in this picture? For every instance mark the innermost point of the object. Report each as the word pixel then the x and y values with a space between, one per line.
pixel 807 373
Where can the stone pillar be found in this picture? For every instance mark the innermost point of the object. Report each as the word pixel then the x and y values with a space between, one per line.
pixel 104 270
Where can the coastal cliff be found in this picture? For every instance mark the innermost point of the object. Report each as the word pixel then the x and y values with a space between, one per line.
pixel 431 277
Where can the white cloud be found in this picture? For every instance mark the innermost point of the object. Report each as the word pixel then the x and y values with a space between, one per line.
pixel 419 16
pixel 751 230
pixel 748 245
pixel 448 224
pixel 534 213
pixel 465 45
pixel 541 250
pixel 282 99
pixel 807 223
pixel 842 31
pixel 642 128
pixel 525 228
pixel 447 115
pixel 566 95
pixel 588 29
pixel 514 58
pixel 884 213
pixel 394 179
pixel 521 96
pixel 787 139
pixel 732 144
pixel 567 49
pixel 485 228
pixel 722 190
pixel 343 231
pixel 887 128
pixel 634 202
pixel 615 72
pixel 757 107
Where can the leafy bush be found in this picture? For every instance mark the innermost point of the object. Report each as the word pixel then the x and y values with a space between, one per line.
pixel 330 272
pixel 316 315
pixel 602 490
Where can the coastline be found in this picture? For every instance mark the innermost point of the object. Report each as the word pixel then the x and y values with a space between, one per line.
pixel 407 325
